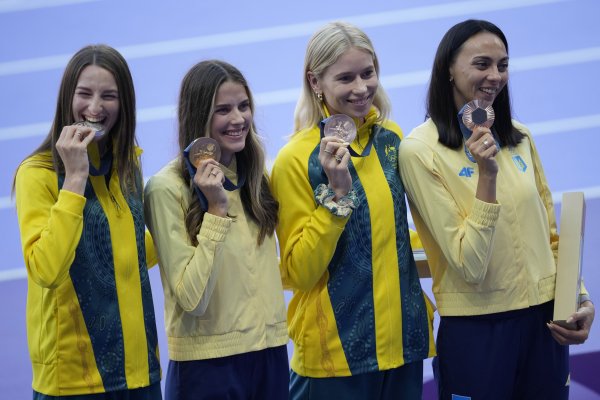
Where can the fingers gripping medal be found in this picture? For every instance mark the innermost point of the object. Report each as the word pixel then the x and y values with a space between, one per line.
pixel 475 113
pixel 97 127
pixel 201 149
pixel 342 126
pixel 204 148
pixel 105 161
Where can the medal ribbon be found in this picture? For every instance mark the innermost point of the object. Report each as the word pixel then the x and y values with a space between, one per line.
pixel 105 161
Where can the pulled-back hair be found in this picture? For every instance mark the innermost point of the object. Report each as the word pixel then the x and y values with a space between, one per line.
pixel 440 96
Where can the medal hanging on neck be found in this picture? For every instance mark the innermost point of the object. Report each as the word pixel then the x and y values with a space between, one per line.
pixel 202 149
pixel 475 113
pixel 343 127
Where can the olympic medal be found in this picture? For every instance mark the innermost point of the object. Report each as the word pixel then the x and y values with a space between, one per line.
pixel 478 113
pixel 98 128
pixel 204 148
pixel 340 125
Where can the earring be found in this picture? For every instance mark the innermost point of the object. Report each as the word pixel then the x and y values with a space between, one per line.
pixel 452 80
pixel 319 96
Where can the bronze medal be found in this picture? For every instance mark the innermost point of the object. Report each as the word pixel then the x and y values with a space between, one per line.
pixel 342 126
pixel 202 149
pixel 478 113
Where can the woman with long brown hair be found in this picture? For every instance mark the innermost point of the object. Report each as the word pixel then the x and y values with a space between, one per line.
pixel 90 316
pixel 213 219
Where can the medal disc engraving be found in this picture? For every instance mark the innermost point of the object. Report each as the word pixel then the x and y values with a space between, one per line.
pixel 342 126
pixel 98 128
pixel 204 148
pixel 478 113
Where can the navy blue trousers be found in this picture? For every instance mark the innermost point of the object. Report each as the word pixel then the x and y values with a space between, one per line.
pixel 404 383
pixel 151 392
pixel 508 355
pixel 249 376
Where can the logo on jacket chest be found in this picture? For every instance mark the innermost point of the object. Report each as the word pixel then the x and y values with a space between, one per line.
pixel 467 172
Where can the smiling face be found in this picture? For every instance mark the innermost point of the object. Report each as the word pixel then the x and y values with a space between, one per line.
pixel 480 70
pixel 96 98
pixel 349 85
pixel 231 119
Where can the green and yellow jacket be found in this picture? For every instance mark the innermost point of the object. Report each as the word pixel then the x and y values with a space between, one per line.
pixel 90 316
pixel 357 305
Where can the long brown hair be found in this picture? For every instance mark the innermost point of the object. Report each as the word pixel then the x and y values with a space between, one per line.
pixel 122 134
pixel 195 111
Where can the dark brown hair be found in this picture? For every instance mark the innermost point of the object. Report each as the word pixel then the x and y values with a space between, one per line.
pixel 440 96
pixel 122 134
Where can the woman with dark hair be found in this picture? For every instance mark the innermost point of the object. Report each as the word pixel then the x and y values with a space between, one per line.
pixel 213 222
pixel 484 212
pixel 90 315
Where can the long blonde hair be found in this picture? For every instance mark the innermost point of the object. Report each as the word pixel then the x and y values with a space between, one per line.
pixel 323 50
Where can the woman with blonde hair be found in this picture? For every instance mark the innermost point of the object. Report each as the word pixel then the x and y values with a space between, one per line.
pixel 360 323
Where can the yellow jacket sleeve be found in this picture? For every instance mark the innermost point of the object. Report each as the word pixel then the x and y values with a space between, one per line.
pixel 186 269
pixel 308 234
pixel 545 194
pixel 50 222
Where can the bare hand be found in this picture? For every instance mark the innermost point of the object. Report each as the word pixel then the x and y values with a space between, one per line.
pixel 72 149
pixel 583 318
pixel 482 146
pixel 334 157
pixel 209 178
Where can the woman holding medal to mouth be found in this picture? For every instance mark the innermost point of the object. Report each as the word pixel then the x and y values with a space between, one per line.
pixel 90 316
pixel 360 322
pixel 213 219
pixel 485 215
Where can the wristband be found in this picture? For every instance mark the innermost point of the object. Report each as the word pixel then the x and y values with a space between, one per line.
pixel 324 196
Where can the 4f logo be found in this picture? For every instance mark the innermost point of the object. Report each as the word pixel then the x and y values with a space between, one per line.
pixel 466 172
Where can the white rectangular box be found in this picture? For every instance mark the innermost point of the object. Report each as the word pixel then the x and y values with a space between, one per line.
pixel 570 251
pixel 422 264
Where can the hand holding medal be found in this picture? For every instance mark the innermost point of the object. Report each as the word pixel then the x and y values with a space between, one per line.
pixel 98 128
pixel 338 131
pixel 338 126
pixel 478 113
pixel 208 190
pixel 206 148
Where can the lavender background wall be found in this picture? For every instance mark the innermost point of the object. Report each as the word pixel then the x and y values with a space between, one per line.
pixel 555 59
